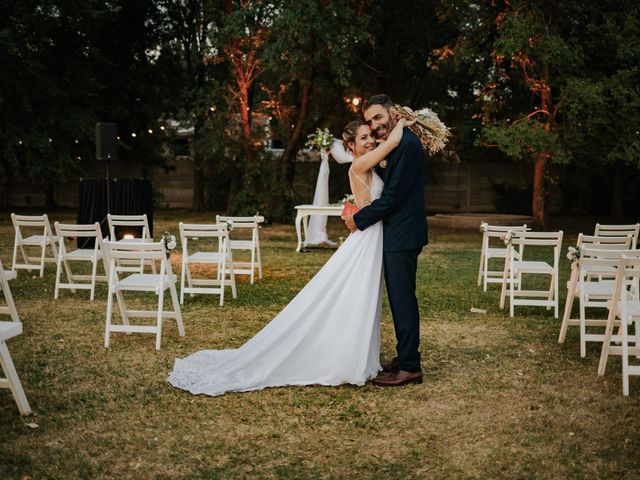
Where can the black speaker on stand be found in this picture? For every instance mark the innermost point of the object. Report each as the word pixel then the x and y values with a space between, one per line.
pixel 107 150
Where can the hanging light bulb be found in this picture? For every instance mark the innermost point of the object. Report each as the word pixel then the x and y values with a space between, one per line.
pixel 134 135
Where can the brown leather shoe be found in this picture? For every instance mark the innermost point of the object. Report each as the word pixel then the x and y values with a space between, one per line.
pixel 401 377
pixel 392 366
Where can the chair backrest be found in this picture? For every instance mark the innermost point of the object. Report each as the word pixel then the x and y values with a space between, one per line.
pixel 70 230
pixel 203 230
pixel 242 222
pixel 619 231
pixel 627 275
pixel 128 221
pixel 136 251
pixel 31 221
pixel 592 259
pixel 497 231
pixel 540 239
pixel 623 242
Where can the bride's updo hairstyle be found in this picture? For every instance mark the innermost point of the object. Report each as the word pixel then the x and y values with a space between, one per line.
pixel 349 133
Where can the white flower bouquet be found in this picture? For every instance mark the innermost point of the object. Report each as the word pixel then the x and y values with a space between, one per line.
pixel 320 140
pixel 431 131
pixel 348 198
pixel 169 240
pixel 507 237
pixel 573 254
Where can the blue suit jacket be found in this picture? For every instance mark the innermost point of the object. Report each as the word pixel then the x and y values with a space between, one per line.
pixel 401 205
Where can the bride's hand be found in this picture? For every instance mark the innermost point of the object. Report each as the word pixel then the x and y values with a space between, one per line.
pixel 396 134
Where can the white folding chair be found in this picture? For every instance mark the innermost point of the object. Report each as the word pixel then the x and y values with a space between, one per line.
pixel 253 245
pixel 624 310
pixel 130 225
pixel 39 223
pixel 219 255
pixel 592 292
pixel 487 252
pixel 83 233
pixel 10 329
pixel 516 268
pixel 140 282
pixel 590 270
pixel 619 231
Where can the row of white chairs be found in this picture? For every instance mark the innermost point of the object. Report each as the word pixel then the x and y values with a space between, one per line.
pixel 124 263
pixel 63 254
pixel 604 275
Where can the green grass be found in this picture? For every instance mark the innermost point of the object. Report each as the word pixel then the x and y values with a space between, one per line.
pixel 502 399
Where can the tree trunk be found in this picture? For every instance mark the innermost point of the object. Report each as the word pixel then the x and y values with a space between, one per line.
pixel 287 172
pixel 538 206
pixel 617 191
pixel 234 188
pixel 197 203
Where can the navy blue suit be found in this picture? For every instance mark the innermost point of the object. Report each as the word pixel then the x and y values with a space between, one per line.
pixel 401 208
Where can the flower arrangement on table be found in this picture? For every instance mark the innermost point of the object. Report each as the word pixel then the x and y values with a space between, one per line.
pixel 322 139
pixel 431 131
pixel 170 242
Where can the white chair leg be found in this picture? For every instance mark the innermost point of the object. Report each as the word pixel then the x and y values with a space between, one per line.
pixel 484 272
pixel 42 260
pixel 511 293
pixel 253 261
pixel 606 342
pixel 94 272
pixel 259 258
pixel 159 318
pixel 182 273
pixel 568 305
pixel 13 380
pixel 176 309
pixel 625 357
pixel 107 332
pixel 583 327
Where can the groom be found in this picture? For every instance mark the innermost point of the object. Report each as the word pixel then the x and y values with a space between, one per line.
pixel 401 208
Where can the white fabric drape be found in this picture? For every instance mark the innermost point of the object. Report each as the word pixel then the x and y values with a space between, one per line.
pixel 317 229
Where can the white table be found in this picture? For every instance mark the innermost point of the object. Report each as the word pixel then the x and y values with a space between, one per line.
pixel 302 218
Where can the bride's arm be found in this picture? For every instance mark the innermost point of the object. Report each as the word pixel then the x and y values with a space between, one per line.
pixel 370 159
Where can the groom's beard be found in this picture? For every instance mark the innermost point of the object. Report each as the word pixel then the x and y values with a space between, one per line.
pixel 383 131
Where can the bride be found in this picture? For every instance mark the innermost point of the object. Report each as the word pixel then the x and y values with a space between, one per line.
pixel 329 334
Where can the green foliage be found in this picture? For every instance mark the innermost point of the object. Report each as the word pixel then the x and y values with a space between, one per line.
pixel 524 140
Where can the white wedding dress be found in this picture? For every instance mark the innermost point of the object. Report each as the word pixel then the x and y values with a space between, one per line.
pixel 329 334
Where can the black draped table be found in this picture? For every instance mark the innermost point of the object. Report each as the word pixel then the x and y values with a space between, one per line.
pixel 127 196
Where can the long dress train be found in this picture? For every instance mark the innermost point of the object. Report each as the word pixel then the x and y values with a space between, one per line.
pixel 329 334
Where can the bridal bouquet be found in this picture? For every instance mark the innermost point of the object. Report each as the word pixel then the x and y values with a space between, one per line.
pixel 321 139
pixel 429 128
pixel 349 205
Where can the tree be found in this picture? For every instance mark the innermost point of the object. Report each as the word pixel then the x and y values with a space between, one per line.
pixel 309 62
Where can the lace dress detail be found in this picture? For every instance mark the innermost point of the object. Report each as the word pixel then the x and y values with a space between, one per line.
pixel 329 334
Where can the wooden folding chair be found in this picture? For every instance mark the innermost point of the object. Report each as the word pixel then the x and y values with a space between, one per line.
pixel 515 269
pixel 39 223
pixel 492 233
pixel 624 310
pixel 591 271
pixel 65 257
pixel 253 245
pixel 218 255
pixel 10 329
pixel 156 283
pixel 135 229
pixel 619 231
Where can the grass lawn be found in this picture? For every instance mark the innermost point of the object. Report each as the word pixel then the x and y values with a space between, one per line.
pixel 501 397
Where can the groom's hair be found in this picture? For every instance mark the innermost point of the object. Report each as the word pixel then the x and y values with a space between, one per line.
pixel 381 99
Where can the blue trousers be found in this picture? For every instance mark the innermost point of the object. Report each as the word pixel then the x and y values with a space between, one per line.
pixel 400 278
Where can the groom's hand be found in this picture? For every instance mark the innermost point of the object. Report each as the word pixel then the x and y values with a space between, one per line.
pixel 351 225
